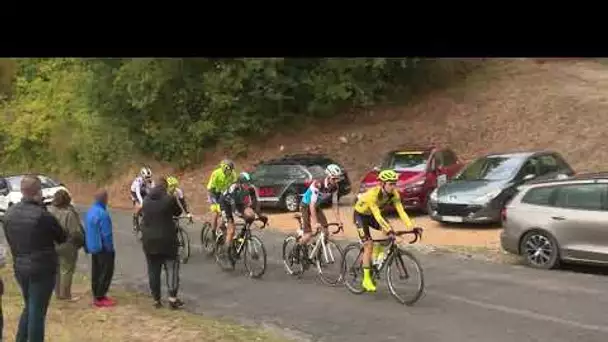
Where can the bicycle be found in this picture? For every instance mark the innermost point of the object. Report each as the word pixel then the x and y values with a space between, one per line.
pixel 183 240
pixel 137 226
pixel 320 252
pixel 242 239
pixel 208 237
pixel 394 255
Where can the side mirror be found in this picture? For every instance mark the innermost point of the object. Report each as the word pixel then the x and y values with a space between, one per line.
pixel 529 176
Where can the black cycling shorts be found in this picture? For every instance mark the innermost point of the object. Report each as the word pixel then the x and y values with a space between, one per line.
pixel 363 224
pixel 227 209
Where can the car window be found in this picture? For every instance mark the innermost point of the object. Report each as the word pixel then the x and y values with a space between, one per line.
pixel 267 171
pixel 581 196
pixel 407 161
pixel 539 196
pixel 295 172
pixel 490 168
pixel 531 167
pixel 552 164
pixel 317 171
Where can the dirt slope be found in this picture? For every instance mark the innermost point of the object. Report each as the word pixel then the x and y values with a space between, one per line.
pixel 510 104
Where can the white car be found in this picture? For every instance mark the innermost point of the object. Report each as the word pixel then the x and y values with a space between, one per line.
pixel 10 190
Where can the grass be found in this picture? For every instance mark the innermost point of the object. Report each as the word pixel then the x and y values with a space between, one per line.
pixel 133 319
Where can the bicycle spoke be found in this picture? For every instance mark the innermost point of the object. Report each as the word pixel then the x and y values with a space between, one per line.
pixel 404 277
pixel 290 261
pixel 351 268
pixel 330 271
pixel 255 254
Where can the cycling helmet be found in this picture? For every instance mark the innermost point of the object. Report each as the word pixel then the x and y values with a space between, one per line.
pixel 244 178
pixel 388 176
pixel 145 172
pixel 333 170
pixel 227 165
pixel 172 183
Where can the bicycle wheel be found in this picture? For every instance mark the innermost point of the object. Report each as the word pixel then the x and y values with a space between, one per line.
pixel 353 268
pixel 399 259
pixel 208 238
pixel 255 251
pixel 329 263
pixel 184 245
pixel 291 263
pixel 222 260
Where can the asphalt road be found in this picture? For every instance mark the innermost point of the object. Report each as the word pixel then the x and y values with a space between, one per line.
pixel 466 300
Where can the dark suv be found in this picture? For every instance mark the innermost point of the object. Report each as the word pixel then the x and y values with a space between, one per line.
pixel 281 182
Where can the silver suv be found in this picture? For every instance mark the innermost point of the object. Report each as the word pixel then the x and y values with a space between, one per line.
pixel 558 220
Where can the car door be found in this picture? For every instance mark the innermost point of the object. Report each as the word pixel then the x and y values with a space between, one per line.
pixel 579 220
pixel 434 176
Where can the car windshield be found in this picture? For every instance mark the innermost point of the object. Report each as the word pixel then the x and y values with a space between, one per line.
pixel 15 182
pixel 407 161
pixel 490 168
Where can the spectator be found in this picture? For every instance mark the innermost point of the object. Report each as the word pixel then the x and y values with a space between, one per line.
pixel 34 260
pixel 160 244
pixel 100 244
pixel 69 219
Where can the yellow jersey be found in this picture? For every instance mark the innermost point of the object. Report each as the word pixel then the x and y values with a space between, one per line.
pixel 371 202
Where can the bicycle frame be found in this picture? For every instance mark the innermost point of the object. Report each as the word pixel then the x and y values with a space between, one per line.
pixel 320 238
pixel 244 233
pixel 392 246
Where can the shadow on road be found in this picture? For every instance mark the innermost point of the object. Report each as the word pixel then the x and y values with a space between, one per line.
pixel 584 269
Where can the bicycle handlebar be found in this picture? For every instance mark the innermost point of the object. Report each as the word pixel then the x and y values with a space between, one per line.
pixel 339 225
pixel 416 231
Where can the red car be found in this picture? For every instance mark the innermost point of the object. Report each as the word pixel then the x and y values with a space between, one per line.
pixel 420 170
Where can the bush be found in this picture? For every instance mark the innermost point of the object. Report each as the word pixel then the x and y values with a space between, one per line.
pixel 90 116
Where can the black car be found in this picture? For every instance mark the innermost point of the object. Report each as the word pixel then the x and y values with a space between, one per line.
pixel 281 182
pixel 479 192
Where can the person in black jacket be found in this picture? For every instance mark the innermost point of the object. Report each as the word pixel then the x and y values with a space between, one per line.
pixel 35 260
pixel 160 244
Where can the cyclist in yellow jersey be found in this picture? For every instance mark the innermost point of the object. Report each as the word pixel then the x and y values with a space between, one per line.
pixel 221 178
pixel 367 215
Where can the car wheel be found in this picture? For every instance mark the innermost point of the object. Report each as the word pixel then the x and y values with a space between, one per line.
pixel 540 250
pixel 291 201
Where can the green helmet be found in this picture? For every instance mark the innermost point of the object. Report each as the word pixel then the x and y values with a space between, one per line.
pixel 244 177
pixel 388 176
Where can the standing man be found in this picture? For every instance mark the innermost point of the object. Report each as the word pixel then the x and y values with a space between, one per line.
pixel 35 260
pixel 100 245
pixel 160 244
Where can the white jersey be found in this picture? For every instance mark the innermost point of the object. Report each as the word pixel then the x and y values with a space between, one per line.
pixel 140 186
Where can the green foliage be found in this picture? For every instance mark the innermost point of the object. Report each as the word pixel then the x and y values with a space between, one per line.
pixel 91 115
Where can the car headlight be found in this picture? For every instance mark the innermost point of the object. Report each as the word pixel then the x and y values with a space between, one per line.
pixel 433 195
pixel 414 184
pixel 488 197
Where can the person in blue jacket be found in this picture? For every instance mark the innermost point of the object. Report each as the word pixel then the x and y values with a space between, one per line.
pixel 99 243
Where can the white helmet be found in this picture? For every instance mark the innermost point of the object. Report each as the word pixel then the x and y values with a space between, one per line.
pixel 333 170
pixel 145 172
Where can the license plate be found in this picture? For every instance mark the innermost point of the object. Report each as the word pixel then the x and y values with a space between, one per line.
pixel 451 218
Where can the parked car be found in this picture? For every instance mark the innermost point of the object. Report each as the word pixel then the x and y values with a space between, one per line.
pixel 420 171
pixel 10 190
pixel 479 192
pixel 558 220
pixel 282 182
